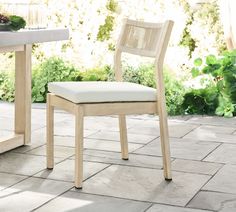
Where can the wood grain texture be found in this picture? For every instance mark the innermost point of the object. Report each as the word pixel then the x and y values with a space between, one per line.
pixel 123 137
pixel 79 126
pixel 10 142
pixel 23 93
pixel 141 38
pixel 11 49
pixel 50 133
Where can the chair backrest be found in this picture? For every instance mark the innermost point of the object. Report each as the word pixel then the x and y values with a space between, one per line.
pixel 144 39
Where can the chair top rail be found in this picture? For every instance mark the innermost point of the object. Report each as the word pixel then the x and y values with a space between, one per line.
pixel 143 24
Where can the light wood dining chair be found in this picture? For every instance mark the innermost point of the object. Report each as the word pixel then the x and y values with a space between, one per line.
pixel 116 98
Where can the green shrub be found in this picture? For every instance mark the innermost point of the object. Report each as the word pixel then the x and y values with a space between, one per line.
pixel 174 93
pixel 144 75
pixel 7 86
pixel 53 69
pixel 94 74
pixel 201 101
pixel 174 89
pixel 222 69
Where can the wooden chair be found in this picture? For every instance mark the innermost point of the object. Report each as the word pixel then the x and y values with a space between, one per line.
pixel 116 98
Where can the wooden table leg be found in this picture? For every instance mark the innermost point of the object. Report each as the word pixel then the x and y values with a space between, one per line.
pixel 23 93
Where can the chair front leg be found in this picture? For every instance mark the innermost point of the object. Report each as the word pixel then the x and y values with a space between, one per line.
pixel 50 133
pixel 165 145
pixel 123 137
pixel 79 123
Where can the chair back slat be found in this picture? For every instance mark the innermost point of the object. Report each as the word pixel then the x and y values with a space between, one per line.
pixel 144 39
pixel 140 40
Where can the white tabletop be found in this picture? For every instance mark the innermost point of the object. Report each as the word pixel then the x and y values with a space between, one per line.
pixel 32 36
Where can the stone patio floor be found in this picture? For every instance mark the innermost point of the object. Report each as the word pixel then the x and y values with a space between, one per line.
pixel 203 153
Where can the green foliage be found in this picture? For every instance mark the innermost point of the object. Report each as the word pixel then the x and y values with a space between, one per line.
pixel 112 5
pixel 94 74
pixel 187 40
pixel 225 107
pixel 201 101
pixel 53 69
pixel 208 16
pixel 104 32
pixel 223 71
pixel 174 89
pixel 111 47
pixel 17 22
pixel 198 62
pixel 174 94
pixel 7 86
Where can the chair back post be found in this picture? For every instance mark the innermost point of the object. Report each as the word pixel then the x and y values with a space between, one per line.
pixel 118 66
pixel 161 51
pixel 117 55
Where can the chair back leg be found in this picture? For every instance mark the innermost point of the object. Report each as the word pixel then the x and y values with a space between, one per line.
pixel 79 126
pixel 123 137
pixel 50 132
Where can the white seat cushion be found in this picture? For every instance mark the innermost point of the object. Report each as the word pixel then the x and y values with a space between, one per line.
pixel 85 92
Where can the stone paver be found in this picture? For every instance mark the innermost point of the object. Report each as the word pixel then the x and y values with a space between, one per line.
pixel 38 138
pixel 7 109
pixel 110 123
pixel 180 148
pixel 216 129
pixel 135 138
pixel 223 181
pixel 7 180
pixel 30 194
pixel 145 185
pixel 176 129
pixel 59 151
pixel 67 141
pixel 73 201
pixel 221 202
pixel 204 135
pixel 16 163
pixel 203 163
pixel 108 145
pixel 4 133
pixel 67 128
pixel 223 154
pixel 9 125
pixel 64 144
pixel 165 208
pixel 191 166
pixel 115 158
pixel 65 170
pixel 213 121
pixel 93 124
